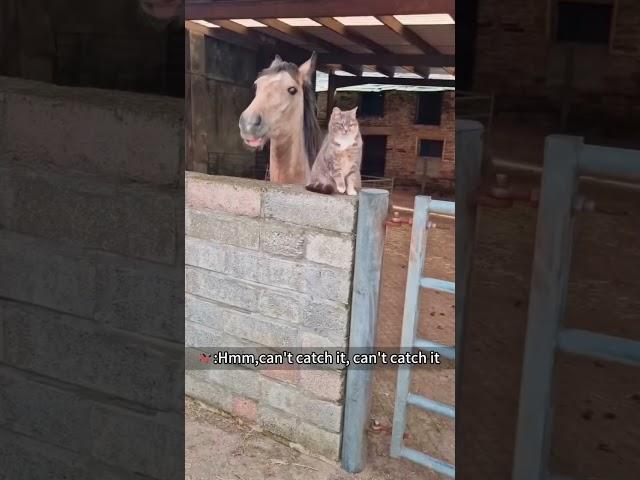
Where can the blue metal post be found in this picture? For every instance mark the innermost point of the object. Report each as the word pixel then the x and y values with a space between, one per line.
pixel 372 213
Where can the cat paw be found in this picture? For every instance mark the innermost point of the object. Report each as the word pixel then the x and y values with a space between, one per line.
pixel 352 191
pixel 341 188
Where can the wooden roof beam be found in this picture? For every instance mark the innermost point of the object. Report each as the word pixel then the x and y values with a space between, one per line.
pixel 226 9
pixel 357 38
pixel 388 59
pixel 315 42
pixel 405 32
pixel 342 81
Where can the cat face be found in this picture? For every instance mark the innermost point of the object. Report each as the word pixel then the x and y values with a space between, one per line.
pixel 344 123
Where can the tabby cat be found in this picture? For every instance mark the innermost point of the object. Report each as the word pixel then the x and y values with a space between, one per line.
pixel 337 166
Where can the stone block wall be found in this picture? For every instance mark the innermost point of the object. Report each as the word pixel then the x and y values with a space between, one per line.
pixel 270 266
pixel 403 135
pixel 87 304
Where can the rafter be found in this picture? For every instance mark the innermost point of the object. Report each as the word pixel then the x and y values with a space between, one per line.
pixel 226 9
pixel 429 60
pixel 342 81
pixel 409 35
pixel 356 37
pixel 315 42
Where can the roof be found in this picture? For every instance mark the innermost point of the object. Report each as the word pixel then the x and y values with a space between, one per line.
pixel 412 39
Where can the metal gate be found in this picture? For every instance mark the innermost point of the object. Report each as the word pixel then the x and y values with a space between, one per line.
pixel 566 159
pixel 423 207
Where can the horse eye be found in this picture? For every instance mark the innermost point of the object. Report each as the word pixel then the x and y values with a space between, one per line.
pixel 292 90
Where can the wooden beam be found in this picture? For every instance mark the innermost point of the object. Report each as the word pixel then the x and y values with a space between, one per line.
pixel 357 38
pixel 344 81
pixel 434 60
pixel 405 32
pixel 315 42
pixel 236 34
pixel 227 9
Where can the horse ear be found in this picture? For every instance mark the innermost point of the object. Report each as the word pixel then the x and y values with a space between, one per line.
pixel 276 60
pixel 308 68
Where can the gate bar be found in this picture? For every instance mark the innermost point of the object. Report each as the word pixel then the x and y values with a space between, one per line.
pixel 445 351
pixel 610 162
pixel 606 347
pixel 430 462
pixel 437 284
pixel 431 405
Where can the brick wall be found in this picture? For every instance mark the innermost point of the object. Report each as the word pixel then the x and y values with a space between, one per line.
pixel 398 123
pixel 88 361
pixel 516 58
pixel 270 266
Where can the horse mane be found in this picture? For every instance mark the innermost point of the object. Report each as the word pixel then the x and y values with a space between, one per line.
pixel 310 125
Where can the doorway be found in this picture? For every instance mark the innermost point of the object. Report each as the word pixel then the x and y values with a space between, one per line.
pixel 374 154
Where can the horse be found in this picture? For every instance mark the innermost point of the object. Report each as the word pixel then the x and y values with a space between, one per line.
pixel 283 112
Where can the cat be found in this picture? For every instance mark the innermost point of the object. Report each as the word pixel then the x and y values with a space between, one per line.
pixel 337 165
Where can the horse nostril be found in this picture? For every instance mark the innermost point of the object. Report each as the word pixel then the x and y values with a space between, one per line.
pixel 258 120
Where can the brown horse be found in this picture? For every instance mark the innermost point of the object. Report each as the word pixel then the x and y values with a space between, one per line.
pixel 284 113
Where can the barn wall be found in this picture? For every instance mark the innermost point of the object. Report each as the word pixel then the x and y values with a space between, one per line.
pixel 516 58
pixel 99 44
pixel 219 87
pixel 269 265
pixel 402 161
pixel 73 286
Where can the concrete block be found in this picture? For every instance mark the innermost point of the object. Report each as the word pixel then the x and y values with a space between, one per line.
pixel 140 297
pixel 280 396
pixel 37 272
pixel 315 341
pixel 198 386
pixel 328 283
pixel 54 415
pixel 94 214
pixel 295 205
pixel 289 399
pixel 333 250
pixel 214 286
pixel 56 125
pixel 282 273
pixel 288 375
pixel 282 306
pixel 210 314
pixel 323 384
pixel 282 239
pixel 199 336
pixel 223 194
pixel 277 422
pixel 229 260
pixel 223 228
pixel 328 319
pixel 262 331
pixel 146 444
pixel 317 440
pixel 238 380
pixel 85 354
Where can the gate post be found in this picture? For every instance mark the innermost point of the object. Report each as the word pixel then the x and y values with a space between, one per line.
pixel 370 233
pixel 469 155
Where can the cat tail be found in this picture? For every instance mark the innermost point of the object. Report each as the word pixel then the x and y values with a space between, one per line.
pixel 319 187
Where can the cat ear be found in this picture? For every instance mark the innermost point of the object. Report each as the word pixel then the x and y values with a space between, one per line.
pixel 335 111
pixel 276 60
pixel 308 68
pixel 353 111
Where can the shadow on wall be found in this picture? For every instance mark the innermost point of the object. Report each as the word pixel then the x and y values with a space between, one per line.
pixel 117 44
